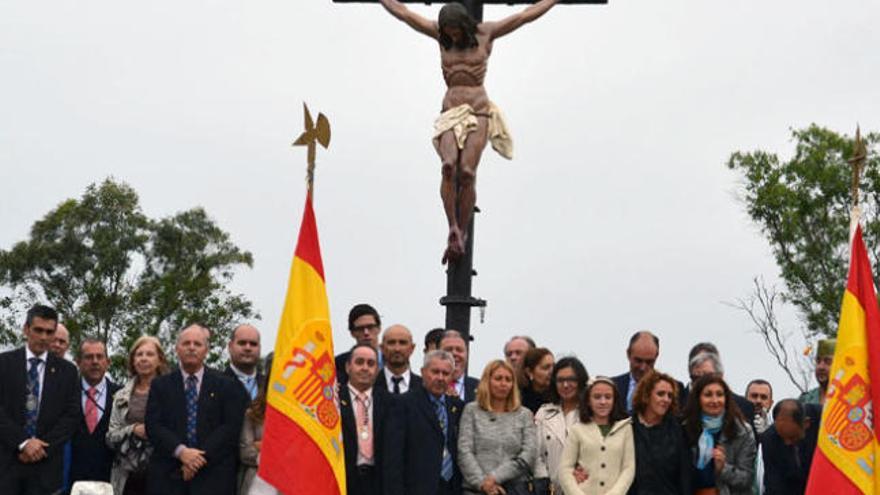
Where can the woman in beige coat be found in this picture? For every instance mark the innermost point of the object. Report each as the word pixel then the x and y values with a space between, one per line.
pixel 553 420
pixel 601 443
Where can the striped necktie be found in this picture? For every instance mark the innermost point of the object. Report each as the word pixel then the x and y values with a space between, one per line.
pixel 32 400
pixel 446 467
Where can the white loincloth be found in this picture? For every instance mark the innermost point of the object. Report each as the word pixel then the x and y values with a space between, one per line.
pixel 462 120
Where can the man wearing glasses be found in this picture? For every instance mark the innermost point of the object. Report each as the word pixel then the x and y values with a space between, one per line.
pixel 364 324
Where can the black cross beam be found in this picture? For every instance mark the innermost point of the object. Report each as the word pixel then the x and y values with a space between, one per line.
pixel 475 7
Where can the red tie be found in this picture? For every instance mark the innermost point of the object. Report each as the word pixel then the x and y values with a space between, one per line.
pixel 91 410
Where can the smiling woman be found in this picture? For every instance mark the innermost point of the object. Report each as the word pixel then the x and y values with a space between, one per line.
pixel 601 444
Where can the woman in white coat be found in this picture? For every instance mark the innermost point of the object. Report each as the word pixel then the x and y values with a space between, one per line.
pixel 601 443
pixel 568 383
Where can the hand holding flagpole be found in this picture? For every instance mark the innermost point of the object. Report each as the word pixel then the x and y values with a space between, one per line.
pixel 319 133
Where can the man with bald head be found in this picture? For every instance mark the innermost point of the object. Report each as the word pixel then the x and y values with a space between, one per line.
pixel 516 348
pixel 396 375
pixel 193 419
pixel 244 358
pixel 642 353
pixel 60 342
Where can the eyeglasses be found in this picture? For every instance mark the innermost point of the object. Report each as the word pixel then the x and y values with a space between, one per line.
pixel 364 328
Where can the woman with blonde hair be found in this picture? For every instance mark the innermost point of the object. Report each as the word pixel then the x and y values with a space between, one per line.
pixel 126 433
pixel 496 441
pixel 601 443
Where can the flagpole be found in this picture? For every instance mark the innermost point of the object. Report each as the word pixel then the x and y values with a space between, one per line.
pixel 860 155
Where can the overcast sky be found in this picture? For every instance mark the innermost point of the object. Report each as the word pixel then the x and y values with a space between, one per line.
pixel 617 213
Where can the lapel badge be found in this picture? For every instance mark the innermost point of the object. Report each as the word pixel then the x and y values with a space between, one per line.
pixel 52 370
pixel 344 402
pixel 212 395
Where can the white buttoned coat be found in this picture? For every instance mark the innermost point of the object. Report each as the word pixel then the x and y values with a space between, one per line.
pixel 609 461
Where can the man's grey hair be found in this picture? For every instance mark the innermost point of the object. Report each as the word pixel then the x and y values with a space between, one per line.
pixel 530 341
pixel 205 330
pixel 702 357
pixel 438 354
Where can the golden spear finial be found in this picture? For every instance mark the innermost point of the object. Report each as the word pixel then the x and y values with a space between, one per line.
pixel 319 133
pixel 860 154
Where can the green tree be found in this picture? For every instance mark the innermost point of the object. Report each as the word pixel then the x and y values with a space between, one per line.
pixel 115 274
pixel 801 206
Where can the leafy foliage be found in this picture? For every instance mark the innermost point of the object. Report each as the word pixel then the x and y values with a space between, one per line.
pixel 115 274
pixel 802 207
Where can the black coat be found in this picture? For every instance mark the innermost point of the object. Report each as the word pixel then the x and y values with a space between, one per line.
pixel 787 467
pixel 663 464
pixel 221 406
pixel 413 450
pixel 231 374
pixel 58 417
pixel 470 389
pixel 381 407
pixel 91 459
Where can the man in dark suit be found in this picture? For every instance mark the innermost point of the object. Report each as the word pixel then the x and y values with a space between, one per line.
pixel 787 447
pixel 397 347
pixel 39 409
pixel 364 409
pixel 461 386
pixel 420 452
pixel 244 359
pixel 642 353
pixel 193 419
pixel 364 325
pixel 91 459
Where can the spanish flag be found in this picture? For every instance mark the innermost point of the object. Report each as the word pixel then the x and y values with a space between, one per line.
pixel 302 440
pixel 845 461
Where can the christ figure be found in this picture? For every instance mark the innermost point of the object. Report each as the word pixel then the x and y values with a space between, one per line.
pixel 469 119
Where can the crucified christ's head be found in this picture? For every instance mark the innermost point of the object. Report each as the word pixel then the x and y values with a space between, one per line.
pixel 457 28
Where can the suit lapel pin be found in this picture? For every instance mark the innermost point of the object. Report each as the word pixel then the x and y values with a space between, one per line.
pixel 344 402
pixel 212 395
pixel 51 370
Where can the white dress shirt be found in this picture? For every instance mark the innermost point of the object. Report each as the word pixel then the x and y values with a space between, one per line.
pixel 404 384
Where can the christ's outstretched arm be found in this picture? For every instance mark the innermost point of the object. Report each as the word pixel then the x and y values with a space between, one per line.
pixel 415 21
pixel 509 24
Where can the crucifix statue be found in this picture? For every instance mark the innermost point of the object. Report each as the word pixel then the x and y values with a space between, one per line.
pixel 467 123
pixel 469 119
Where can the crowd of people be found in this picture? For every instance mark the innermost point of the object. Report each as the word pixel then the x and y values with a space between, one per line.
pixel 531 423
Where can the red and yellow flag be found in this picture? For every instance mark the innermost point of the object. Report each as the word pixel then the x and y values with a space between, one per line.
pixel 846 459
pixel 302 440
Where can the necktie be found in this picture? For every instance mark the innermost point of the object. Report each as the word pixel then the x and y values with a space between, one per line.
pixel 250 383
pixel 191 410
pixel 396 381
pixel 446 466
pixel 91 410
pixel 32 400
pixel 364 426
pixel 451 390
